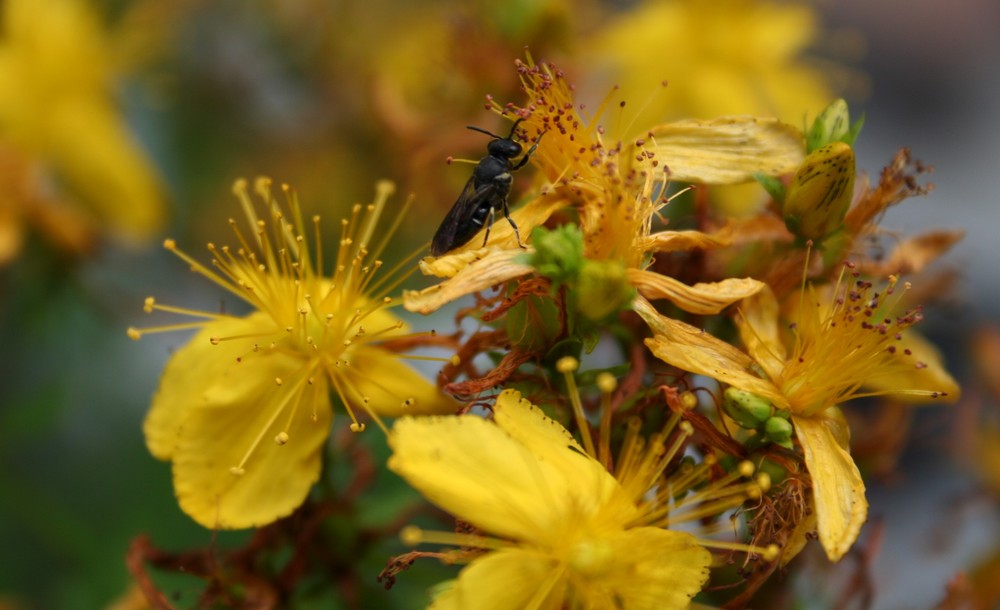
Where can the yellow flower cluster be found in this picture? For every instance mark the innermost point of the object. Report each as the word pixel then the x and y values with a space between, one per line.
pixel 711 429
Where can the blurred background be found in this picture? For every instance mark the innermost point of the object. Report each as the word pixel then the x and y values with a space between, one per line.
pixel 124 122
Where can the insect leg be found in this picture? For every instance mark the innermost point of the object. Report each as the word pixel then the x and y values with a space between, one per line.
pixel 489 224
pixel 506 214
pixel 527 155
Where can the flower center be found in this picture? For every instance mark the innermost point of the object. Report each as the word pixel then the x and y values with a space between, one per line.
pixel 591 557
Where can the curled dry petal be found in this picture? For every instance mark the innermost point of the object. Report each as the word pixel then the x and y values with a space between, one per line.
pixel 674 241
pixel 694 350
pixel 701 298
pixel 495 267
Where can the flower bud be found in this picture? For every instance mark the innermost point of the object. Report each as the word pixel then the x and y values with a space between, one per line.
pixel 748 410
pixel 778 431
pixel 558 253
pixel 820 193
pixel 833 125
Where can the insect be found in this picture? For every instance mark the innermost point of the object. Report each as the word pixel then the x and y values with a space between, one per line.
pixel 484 194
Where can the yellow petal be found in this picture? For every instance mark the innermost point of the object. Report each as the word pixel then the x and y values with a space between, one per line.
pixel 508 579
pixel 701 298
pixel 393 388
pixel 527 424
pixel 673 241
pixel 930 377
pixel 552 443
pixel 213 405
pixel 838 491
pixel 654 569
pixel 237 427
pixel 758 326
pixel 642 568
pixel 495 267
pixel 478 472
pixel 728 150
pixel 696 351
pixel 191 373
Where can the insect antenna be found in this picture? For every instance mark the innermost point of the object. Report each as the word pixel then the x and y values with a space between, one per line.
pixel 481 130
pixel 493 135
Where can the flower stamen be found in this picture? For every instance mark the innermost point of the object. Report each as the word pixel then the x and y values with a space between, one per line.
pixel 291 394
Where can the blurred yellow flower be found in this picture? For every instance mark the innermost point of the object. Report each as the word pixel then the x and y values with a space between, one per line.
pixel 842 344
pixel 570 535
pixel 244 409
pixel 719 57
pixel 57 109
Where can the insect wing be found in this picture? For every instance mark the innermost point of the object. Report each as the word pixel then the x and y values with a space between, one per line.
pixel 465 218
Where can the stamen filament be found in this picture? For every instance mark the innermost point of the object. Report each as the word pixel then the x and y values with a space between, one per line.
pixel 396 221
pixel 184 311
pixel 566 366
pixel 136 333
pixel 412 535
pixel 607 384
pixel 292 393
pixel 356 425
pixel 768 553
pixel 197 267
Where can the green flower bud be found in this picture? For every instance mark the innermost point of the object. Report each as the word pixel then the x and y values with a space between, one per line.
pixel 601 289
pixel 817 199
pixel 833 125
pixel 779 431
pixel 558 253
pixel 748 410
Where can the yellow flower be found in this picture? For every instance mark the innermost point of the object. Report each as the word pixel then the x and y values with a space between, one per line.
pixel 57 108
pixel 842 345
pixel 616 187
pixel 719 56
pixel 567 533
pixel 244 409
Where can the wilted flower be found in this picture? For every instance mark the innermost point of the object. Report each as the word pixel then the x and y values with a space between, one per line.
pixel 844 346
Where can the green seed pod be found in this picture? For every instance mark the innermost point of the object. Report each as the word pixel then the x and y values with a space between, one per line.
pixel 748 410
pixel 779 431
pixel 820 192
pixel 602 288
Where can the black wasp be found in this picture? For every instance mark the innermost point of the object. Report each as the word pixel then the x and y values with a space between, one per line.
pixel 484 194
